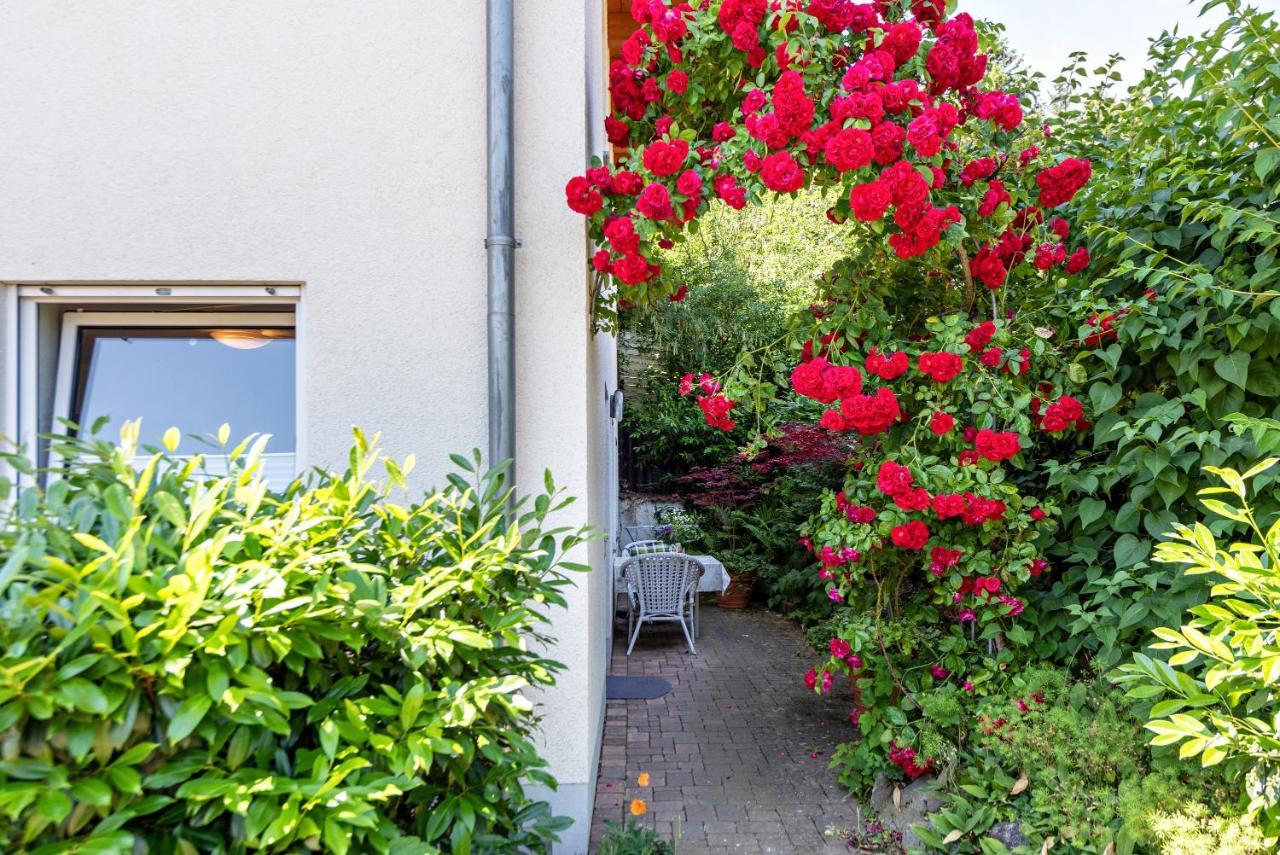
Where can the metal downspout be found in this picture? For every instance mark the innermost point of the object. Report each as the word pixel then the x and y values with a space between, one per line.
pixel 500 242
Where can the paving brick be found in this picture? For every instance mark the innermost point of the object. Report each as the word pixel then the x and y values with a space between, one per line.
pixel 737 752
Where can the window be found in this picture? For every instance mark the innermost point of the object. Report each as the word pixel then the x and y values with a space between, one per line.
pixel 170 356
pixel 193 371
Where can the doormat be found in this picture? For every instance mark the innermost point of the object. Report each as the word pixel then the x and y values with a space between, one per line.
pixel 634 688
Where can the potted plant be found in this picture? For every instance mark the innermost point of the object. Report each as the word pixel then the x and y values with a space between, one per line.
pixel 742 569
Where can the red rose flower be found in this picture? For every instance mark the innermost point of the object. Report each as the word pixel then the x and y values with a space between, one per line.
pixel 912 535
pixel 715 409
pixel 893 479
pixel 665 158
pixel 870 201
pixel 1059 184
pixel 1062 414
pixel 977 170
pixel 730 192
pixel 940 424
pixel 849 149
pixel 632 269
pixel 582 197
pixel 677 82
pixel 689 184
pixel 655 203
pixel 912 500
pixel 948 505
pixel 995 196
pixel 618 131
pixel 824 382
pixel 980 336
pixel 887 367
pixel 941 367
pixel 997 446
pixel 987 268
pixel 871 414
pixel 1078 261
pixel 833 421
pixel 780 173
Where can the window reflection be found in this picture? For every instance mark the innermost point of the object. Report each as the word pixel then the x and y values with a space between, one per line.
pixel 193 378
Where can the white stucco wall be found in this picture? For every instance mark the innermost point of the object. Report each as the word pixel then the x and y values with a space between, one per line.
pixel 340 144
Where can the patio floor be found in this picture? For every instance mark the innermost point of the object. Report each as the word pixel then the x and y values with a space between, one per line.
pixel 737 752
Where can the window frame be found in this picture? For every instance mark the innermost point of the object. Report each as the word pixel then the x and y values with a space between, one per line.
pixel 158 304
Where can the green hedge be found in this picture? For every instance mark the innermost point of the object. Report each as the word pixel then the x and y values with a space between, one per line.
pixel 192 663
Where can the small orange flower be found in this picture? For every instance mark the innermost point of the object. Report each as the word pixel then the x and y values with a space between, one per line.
pixel 643 780
pixel 638 807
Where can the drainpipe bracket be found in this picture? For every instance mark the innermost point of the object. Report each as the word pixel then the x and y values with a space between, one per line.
pixel 503 240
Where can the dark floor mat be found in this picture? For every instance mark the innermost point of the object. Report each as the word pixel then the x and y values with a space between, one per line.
pixel 623 688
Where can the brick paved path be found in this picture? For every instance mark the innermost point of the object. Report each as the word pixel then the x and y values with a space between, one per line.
pixel 728 750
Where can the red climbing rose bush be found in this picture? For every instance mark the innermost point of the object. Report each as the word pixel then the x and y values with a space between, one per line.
pixel 925 345
pixel 881 104
pixel 942 523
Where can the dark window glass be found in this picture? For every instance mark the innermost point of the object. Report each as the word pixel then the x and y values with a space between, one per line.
pixel 191 378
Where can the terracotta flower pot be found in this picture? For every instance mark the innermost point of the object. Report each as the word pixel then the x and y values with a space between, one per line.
pixel 738 594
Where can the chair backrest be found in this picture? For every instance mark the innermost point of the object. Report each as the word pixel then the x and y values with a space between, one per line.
pixel 661 580
pixel 642 547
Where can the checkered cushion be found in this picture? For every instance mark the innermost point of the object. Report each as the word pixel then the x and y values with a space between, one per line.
pixel 648 547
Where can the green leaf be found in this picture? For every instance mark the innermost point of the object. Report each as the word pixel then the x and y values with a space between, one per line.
pixel 1104 396
pixel 1131 550
pixel 1091 509
pixel 188 715
pixel 83 695
pixel 91 791
pixel 1267 160
pixel 1233 367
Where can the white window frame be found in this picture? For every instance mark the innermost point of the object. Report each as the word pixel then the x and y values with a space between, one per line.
pixel 152 300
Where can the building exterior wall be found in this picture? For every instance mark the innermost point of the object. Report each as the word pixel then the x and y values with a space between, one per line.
pixel 340 144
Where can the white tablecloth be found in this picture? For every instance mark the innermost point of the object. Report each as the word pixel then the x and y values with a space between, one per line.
pixel 714 577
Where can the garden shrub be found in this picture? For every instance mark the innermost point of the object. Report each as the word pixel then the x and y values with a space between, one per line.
pixel 1163 812
pixel 1220 684
pixel 192 663
pixel 1060 757
pixel 1180 322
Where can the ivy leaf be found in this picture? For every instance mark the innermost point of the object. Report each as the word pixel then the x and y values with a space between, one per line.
pixel 1233 367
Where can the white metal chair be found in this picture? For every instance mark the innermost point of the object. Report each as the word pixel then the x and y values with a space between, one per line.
pixel 662 587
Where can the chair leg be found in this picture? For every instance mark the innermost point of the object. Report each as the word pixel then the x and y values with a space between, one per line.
pixel 684 626
pixel 634 636
pixel 631 616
